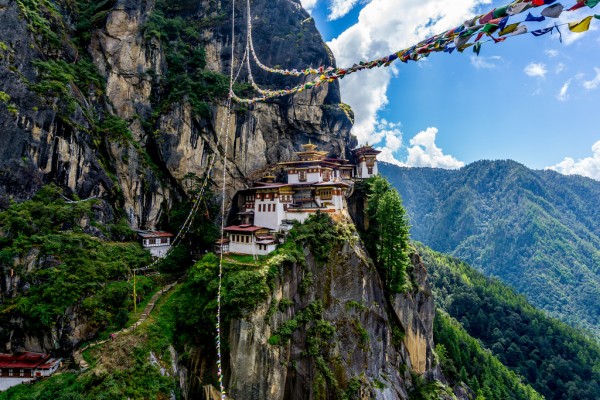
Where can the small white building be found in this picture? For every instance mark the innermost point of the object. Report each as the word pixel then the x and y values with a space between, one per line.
pixel 157 242
pixel 27 365
pixel 248 239
pixel 366 162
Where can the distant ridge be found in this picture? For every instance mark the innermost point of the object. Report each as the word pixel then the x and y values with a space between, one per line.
pixel 538 231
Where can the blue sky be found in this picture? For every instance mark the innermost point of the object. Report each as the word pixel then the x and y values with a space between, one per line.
pixel 530 99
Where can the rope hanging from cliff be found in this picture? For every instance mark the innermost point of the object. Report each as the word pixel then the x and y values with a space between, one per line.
pixel 448 41
pixel 218 337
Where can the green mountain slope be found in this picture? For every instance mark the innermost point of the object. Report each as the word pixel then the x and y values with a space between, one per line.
pixel 557 360
pixel 535 230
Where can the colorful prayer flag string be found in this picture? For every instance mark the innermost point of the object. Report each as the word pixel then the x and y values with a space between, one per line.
pixel 457 38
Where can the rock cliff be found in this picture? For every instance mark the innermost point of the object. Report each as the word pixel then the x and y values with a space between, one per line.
pixel 327 330
pixel 57 136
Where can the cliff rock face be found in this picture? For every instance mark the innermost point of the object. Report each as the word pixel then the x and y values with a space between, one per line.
pixel 43 142
pixel 367 356
pixel 53 124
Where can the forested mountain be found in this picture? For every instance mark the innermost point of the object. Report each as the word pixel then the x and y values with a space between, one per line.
pixel 554 358
pixel 538 231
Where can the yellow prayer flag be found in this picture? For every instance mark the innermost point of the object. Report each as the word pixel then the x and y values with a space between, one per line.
pixel 581 26
pixel 509 29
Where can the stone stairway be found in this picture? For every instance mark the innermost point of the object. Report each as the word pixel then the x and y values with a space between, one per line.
pixel 78 355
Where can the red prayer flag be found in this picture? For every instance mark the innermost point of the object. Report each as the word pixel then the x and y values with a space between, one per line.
pixel 580 4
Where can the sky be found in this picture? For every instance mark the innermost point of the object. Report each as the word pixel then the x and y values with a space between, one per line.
pixel 531 99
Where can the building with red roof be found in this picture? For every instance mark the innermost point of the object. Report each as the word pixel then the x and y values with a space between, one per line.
pixel 157 242
pixel 27 365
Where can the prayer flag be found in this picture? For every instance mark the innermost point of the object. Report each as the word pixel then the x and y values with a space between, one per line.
pixel 520 30
pixel 553 11
pixel 580 4
pixel 461 40
pixel 518 8
pixel 530 17
pixel 498 40
pixel 597 16
pixel 464 47
pixel 509 29
pixel 501 12
pixel 580 26
pixel 502 23
pixel 591 3
pixel 477 48
pixel 541 32
pixel 487 17
pixel 490 28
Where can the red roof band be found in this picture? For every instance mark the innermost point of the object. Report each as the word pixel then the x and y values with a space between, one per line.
pixel 26 360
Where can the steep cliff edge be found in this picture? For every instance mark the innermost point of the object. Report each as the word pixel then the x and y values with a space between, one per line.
pixel 92 100
pixel 326 328
pixel 122 132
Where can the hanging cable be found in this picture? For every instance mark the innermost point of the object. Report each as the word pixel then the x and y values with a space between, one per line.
pixel 223 193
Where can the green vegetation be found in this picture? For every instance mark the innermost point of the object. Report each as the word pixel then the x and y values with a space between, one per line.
pixel 463 359
pixel 71 268
pixel 537 231
pixel 388 235
pixel 555 359
pixel 123 369
pixel 44 21
pixel 187 77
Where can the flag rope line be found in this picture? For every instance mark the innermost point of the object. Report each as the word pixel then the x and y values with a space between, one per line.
pixel 223 193
pixel 488 24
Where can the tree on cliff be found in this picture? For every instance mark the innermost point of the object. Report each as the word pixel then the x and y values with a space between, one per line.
pixel 388 233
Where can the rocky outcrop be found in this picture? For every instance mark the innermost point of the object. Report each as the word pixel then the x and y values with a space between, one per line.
pixel 58 136
pixel 416 311
pixel 43 143
pixel 375 347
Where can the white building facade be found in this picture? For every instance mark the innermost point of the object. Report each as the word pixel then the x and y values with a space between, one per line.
pixel 157 242
pixel 314 184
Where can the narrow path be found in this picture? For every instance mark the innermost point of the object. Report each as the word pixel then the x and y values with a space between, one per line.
pixel 78 355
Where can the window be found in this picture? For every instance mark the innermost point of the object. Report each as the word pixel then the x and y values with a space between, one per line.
pixel 163 240
pixel 152 241
pixel 22 373
pixel 10 372
pixel 326 176
pixel 302 176
pixel 370 169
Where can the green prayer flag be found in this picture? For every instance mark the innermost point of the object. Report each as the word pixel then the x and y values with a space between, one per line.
pixel 501 12
pixel 477 48
pixel 591 3
pixel 491 28
pixel 597 16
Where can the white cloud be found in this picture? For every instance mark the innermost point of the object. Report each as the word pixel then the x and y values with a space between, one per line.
pixel 537 70
pixel 483 62
pixel 384 27
pixel 309 4
pixel 551 53
pixel 589 166
pixel 560 67
pixel 425 153
pixel 386 155
pixel 339 8
pixel 563 94
pixel 594 83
